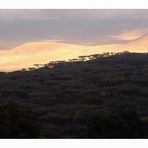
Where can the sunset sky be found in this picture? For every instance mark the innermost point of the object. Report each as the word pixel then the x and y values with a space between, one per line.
pixel 71 26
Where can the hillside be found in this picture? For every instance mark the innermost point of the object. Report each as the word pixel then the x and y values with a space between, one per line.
pixel 26 55
pixel 138 45
pixel 81 99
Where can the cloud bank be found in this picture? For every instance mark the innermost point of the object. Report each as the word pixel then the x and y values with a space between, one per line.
pixel 84 26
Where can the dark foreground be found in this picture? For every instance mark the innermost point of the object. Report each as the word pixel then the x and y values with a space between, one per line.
pixel 105 97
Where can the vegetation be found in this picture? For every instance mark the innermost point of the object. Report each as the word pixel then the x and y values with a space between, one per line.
pixel 103 97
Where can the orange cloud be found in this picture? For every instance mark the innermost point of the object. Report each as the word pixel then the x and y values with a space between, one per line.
pixel 127 36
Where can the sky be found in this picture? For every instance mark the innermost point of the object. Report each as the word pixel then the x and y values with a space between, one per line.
pixel 76 26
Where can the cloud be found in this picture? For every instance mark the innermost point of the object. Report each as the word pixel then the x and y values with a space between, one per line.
pixel 130 35
pixel 86 26
pixel 99 14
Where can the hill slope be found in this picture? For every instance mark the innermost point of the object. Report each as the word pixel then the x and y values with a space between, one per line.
pixel 90 99
pixel 28 54
pixel 42 52
pixel 137 45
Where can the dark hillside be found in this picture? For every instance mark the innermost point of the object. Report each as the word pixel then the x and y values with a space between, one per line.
pixel 104 97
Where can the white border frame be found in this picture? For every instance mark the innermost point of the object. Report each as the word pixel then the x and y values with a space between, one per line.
pixel 73 4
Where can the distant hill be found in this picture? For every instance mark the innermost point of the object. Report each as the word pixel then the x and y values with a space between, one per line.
pixel 137 45
pixel 28 54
